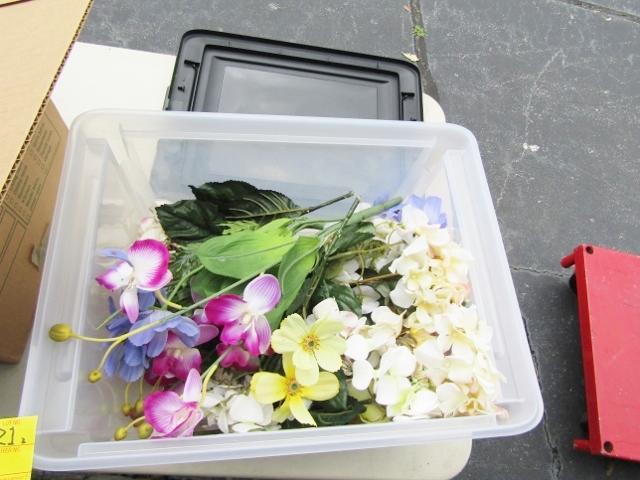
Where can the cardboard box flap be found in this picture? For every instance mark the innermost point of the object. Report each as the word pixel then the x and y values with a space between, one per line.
pixel 36 36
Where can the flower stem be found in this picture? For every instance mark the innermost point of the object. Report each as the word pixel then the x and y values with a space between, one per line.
pixel 206 376
pixel 133 422
pixel 384 276
pixel 126 392
pixel 360 251
pixel 319 271
pixel 300 210
pixel 183 280
pixel 108 319
pixel 166 301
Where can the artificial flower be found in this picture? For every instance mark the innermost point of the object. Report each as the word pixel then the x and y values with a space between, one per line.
pixel 145 266
pixel 177 359
pixel 173 415
pixel 358 349
pixel 419 211
pixel 416 402
pixel 243 318
pixel 396 365
pixel 268 388
pixel 128 361
pixel 238 358
pixel 347 272
pixel 451 398
pixel 368 296
pixel 312 346
pixel 328 309
pixel 155 337
pixel 386 327
pixel 232 411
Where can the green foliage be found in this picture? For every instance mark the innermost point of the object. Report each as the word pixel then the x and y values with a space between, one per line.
pixel 340 410
pixel 419 31
pixel 344 296
pixel 218 203
pixel 189 220
pixel 205 284
pixel 242 254
pixel 296 264
pixel 353 235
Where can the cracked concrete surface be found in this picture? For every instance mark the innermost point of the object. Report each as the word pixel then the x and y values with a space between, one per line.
pixel 561 75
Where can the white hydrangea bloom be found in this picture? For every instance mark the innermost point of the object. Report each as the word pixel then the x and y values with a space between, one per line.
pixel 396 366
pixel 230 410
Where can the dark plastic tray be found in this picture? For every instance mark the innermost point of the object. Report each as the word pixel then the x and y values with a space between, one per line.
pixel 221 72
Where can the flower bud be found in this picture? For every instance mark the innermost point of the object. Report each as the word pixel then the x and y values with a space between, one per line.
pixel 145 430
pixel 60 332
pixel 95 376
pixel 138 409
pixel 126 409
pixel 121 433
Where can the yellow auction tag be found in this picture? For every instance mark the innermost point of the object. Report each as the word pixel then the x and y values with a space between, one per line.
pixel 17 439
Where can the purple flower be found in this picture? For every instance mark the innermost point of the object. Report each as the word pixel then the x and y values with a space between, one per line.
pixel 243 318
pixel 145 266
pixel 173 415
pixel 431 207
pixel 177 359
pixel 131 358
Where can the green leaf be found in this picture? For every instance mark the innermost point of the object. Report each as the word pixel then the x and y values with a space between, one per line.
pixel 327 419
pixel 189 220
pixel 353 235
pixel 205 284
pixel 219 203
pixel 223 194
pixel 245 253
pixel 294 268
pixel 344 296
pixel 242 201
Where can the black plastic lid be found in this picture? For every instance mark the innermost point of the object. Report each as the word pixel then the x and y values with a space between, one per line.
pixel 221 72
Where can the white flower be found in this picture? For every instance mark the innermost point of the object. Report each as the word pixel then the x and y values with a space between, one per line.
pixel 396 365
pixel 415 221
pixel 432 359
pixel 369 298
pixel 385 329
pixel 416 403
pixel 358 349
pixel 328 309
pixel 349 272
pixel 451 398
pixel 246 414
pixel 233 411
pixel 150 228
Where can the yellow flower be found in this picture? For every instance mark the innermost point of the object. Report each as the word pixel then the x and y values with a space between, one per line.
pixel 267 388
pixel 318 344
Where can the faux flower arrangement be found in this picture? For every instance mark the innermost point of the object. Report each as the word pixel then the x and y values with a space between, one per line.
pixel 239 312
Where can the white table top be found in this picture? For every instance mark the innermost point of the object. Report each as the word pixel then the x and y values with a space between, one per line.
pixel 97 76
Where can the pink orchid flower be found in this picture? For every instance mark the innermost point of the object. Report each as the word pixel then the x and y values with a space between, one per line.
pixel 242 318
pixel 173 415
pixel 144 266
pixel 177 359
pixel 238 358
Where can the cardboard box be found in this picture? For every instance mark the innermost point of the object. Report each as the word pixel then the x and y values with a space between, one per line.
pixel 35 38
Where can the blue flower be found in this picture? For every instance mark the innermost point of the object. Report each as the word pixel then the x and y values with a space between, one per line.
pixel 130 359
pixel 431 207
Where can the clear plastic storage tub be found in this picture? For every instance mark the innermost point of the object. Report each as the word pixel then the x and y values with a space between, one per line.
pixel 120 164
